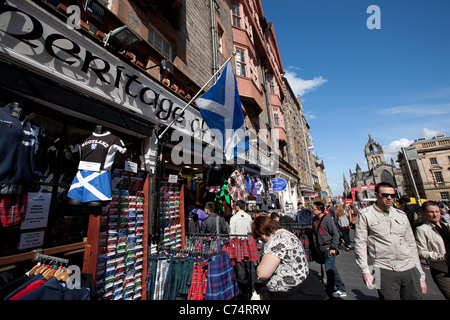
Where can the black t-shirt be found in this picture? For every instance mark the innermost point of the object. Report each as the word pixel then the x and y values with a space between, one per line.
pixel 101 148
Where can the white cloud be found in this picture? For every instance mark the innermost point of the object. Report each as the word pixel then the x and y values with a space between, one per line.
pixel 393 148
pixel 428 133
pixel 309 115
pixel 301 86
pixel 418 109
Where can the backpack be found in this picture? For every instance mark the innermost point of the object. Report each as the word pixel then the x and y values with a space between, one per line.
pixel 192 225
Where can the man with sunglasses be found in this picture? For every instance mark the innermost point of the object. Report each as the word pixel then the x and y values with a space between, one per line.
pixel 385 233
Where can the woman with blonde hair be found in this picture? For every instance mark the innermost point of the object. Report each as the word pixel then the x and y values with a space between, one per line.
pixel 343 222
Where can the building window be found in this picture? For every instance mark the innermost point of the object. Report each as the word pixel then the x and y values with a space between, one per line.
pixel 240 62
pixel 271 85
pixel 220 39
pixel 159 42
pixel 276 118
pixel 433 161
pixel 236 16
pixel 439 177
pixel 445 196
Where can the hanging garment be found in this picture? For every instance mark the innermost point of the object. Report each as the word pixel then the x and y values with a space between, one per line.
pixel 258 191
pixel 221 284
pixel 199 280
pixel 95 185
pixel 237 188
pixel 12 209
pixel 91 186
pixel 22 144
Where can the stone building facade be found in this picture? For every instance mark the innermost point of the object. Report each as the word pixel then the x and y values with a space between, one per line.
pixel 431 169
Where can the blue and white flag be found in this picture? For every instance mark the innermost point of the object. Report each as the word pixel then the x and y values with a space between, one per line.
pixel 221 108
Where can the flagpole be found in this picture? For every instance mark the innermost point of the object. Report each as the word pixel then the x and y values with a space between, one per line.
pixel 197 94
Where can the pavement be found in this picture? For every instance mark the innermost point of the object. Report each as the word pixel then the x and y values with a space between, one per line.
pixel 352 278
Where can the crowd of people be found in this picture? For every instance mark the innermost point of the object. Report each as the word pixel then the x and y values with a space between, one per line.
pixel 396 235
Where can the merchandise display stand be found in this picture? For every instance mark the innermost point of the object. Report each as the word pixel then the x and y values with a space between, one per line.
pixel 171 211
pixel 117 245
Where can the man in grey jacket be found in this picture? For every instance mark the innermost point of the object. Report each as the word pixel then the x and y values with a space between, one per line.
pixel 386 234
pixel 327 237
pixel 214 224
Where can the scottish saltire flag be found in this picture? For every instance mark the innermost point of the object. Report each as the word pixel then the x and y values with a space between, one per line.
pixel 221 108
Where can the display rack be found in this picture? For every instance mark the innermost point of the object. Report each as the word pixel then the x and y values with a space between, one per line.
pixel 116 254
pixel 171 214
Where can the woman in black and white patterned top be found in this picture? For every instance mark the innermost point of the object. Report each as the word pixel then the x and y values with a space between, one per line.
pixel 284 265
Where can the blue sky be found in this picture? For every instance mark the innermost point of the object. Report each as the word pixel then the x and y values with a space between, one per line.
pixel 393 82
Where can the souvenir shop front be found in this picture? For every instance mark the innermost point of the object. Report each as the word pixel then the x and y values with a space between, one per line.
pixel 229 259
pixel 78 162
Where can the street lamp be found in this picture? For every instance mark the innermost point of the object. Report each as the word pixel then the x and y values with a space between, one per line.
pixel 122 38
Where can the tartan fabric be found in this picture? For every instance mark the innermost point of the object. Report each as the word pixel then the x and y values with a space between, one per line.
pixel 237 188
pixel 239 250
pixel 161 274
pixel 169 283
pixel 252 249
pixel 151 277
pixel 197 290
pixel 305 241
pixel 245 252
pixel 12 209
pixel 221 285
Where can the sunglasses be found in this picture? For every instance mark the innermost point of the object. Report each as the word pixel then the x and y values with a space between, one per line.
pixel 385 195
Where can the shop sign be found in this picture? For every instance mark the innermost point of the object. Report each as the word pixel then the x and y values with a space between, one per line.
pixel 31 37
pixel 38 208
pixel 279 184
pixel 173 178
pixel 31 240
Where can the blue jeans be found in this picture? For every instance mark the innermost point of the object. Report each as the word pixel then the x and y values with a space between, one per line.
pixel 333 277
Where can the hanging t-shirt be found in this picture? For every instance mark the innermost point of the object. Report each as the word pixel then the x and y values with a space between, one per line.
pixel 101 148
pixel 89 185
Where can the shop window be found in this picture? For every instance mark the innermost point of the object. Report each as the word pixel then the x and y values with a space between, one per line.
pixel 55 166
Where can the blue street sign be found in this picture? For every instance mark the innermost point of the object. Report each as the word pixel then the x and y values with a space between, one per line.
pixel 279 184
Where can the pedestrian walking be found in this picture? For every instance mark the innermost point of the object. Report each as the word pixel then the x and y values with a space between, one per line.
pixel 327 237
pixel 413 211
pixel 284 266
pixel 386 234
pixel 343 223
pixel 433 243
